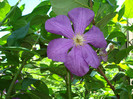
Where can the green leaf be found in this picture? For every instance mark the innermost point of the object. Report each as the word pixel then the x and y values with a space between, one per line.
pixel 4 83
pixel 12 58
pixel 3 40
pixel 41 9
pixel 116 34
pixel 120 36
pixel 129 72
pixel 14 15
pixel 128 8
pixel 26 95
pixel 121 13
pixel 59 70
pixel 22 7
pixel 118 76
pixel 111 56
pixel 103 22
pixel 111 66
pixel 93 84
pixel 4 9
pixel 17 35
pixel 41 90
pixel 124 95
pixel 48 36
pixel 122 54
pixel 27 82
pixel 96 7
pixel 62 7
pixel 19 24
pixel 18 49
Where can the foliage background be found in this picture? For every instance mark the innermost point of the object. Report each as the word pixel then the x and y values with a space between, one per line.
pixel 41 78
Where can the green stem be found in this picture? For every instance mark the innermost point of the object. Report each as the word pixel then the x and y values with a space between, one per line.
pixel 13 81
pixel 1 23
pixel 68 84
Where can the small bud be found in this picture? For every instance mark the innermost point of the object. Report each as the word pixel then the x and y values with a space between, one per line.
pixel 111 47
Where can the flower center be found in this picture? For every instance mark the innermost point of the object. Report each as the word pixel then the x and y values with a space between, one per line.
pixel 78 40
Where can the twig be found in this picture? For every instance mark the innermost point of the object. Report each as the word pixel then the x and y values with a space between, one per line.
pixel 111 86
pixel 14 79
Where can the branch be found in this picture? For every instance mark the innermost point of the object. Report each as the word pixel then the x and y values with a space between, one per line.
pixel 111 86
pixel 14 79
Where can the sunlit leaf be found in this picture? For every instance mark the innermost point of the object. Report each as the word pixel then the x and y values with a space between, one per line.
pixel 62 7
pixel 4 9
pixel 128 8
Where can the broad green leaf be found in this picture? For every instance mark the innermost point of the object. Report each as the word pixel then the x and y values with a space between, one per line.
pixel 103 22
pixel 27 82
pixel 104 10
pixel 41 90
pixel 42 87
pixel 40 94
pixel 128 8
pixel 120 36
pixel 96 7
pixel 59 70
pixel 4 83
pixel 118 76
pixel 129 62
pixel 18 49
pixel 26 95
pixel 12 58
pixel 130 28
pixel 124 95
pixel 48 36
pixel 122 54
pixel 18 24
pixel 3 40
pixel 62 7
pixel 14 15
pixel 111 56
pixel 41 9
pixel 121 12
pixel 129 72
pixel 4 9
pixel 111 66
pixel 16 37
pixel 93 83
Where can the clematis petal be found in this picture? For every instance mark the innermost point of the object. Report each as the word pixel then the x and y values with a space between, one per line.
pixel 81 18
pixel 95 37
pixel 57 49
pixel 60 25
pixel 90 56
pixel 75 62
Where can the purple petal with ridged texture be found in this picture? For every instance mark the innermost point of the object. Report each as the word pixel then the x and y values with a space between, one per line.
pixel 95 37
pixel 90 56
pixel 81 18
pixel 75 62
pixel 60 25
pixel 57 49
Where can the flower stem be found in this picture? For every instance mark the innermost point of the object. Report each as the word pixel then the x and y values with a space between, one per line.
pixel 13 81
pixel 68 84
pixel 111 86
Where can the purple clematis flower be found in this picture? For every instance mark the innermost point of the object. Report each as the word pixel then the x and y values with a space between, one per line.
pixel 74 50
